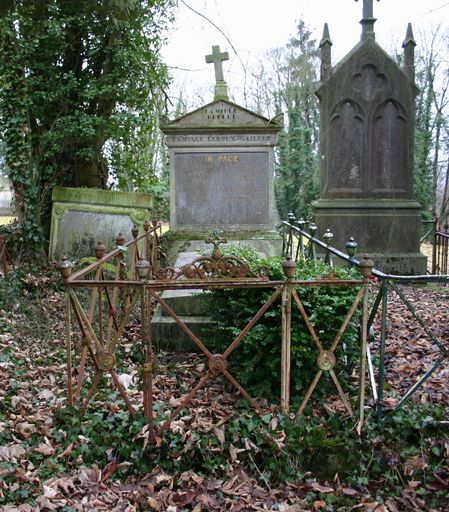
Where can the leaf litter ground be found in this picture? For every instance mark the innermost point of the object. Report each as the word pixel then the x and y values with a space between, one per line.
pixel 44 467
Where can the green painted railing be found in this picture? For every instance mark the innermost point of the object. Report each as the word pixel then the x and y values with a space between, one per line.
pixel 299 243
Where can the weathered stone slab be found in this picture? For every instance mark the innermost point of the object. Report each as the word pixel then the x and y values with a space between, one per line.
pixel 81 217
pixel 232 187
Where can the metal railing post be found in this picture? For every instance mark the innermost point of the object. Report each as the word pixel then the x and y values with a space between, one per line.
pixel 288 267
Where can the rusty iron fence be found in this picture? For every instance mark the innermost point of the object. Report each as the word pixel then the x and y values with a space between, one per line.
pixel 116 292
pixel 440 251
pixel 302 243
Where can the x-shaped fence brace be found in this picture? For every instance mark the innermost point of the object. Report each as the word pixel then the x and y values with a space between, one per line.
pixel 101 345
pixel 381 302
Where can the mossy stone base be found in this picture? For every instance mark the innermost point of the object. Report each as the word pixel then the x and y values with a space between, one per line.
pixel 267 243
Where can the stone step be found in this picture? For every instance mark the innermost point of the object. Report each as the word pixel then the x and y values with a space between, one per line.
pixel 184 302
pixel 188 306
pixel 168 335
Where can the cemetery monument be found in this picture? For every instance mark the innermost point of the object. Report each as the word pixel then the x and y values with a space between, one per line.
pixel 367 113
pixel 222 172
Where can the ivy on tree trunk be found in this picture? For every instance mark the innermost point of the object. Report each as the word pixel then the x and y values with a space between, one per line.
pixel 78 81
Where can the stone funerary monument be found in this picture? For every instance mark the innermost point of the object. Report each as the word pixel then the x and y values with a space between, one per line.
pixel 367 109
pixel 221 177
pixel 222 172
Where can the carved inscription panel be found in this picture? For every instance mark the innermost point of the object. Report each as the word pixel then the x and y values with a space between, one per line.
pixel 222 188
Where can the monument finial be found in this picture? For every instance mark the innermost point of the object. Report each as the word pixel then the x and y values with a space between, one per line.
pixel 409 53
pixel 368 19
pixel 326 57
pixel 217 57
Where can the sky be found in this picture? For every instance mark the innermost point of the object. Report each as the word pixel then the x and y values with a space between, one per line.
pixel 255 26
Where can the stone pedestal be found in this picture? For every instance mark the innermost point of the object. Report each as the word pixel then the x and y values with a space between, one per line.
pixel 376 225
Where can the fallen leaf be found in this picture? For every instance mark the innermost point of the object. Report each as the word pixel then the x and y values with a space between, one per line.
pixel 154 504
pixel 322 488
pixel 66 453
pixel 45 449
pixel 11 453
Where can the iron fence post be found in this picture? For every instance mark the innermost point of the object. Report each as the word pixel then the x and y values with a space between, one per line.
pixel 300 249
pixel 366 268
pixel 383 336
pixel 328 236
pixel 312 251
pixel 148 366
pixel 68 333
pixel 288 267
pixel 65 268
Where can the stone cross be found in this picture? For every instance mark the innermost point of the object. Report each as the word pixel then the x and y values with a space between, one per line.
pixel 368 19
pixel 217 58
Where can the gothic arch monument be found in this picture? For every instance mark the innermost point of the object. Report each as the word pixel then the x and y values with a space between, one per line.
pixel 367 111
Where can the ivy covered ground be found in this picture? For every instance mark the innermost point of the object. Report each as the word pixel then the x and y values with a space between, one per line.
pixel 218 454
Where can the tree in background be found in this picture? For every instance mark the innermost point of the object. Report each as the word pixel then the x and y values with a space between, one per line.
pixel 431 179
pixel 73 76
pixel 297 167
pixel 285 83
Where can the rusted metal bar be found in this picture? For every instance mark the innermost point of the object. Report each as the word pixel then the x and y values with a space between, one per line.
pixel 84 342
pixel 306 319
pixel 91 392
pixel 212 284
pixel 146 327
pixel 68 334
pixel 100 313
pixel 112 318
pixel 84 322
pixel 347 319
pixel 242 390
pixel 383 337
pixel 125 319
pixel 309 392
pixel 286 348
pixel 342 394
pixel 375 306
pixel 187 399
pixel 81 369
